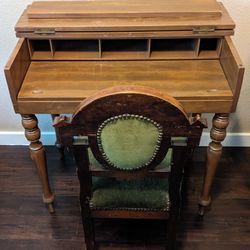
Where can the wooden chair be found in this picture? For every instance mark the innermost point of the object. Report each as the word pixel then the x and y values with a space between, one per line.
pixel 130 146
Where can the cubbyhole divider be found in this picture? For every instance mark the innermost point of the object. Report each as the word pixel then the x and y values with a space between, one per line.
pixel 52 49
pixel 197 47
pixel 149 48
pixel 100 47
pixel 219 46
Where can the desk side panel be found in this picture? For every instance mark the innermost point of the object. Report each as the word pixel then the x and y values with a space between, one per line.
pixel 233 68
pixel 16 69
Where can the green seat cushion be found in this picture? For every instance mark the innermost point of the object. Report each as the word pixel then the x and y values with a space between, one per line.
pixel 149 193
pixel 129 142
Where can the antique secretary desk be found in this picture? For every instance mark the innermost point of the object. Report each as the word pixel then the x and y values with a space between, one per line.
pixel 69 50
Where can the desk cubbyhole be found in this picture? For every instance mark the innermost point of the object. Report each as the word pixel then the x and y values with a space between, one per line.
pixel 76 45
pixel 75 49
pixel 40 49
pixel 208 44
pixel 124 48
pixel 172 44
pixel 165 48
pixel 210 47
pixel 40 45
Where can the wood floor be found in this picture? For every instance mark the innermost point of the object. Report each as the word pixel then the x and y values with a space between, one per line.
pixel 25 223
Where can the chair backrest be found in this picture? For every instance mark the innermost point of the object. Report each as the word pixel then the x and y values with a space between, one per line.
pixel 128 128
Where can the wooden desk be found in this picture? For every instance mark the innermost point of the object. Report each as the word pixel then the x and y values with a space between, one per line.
pixel 60 60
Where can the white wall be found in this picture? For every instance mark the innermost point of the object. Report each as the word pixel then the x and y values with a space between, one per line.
pixel 11 131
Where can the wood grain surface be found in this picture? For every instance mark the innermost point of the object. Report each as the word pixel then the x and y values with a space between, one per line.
pixel 182 79
pixel 233 68
pixel 25 24
pixel 58 87
pixel 16 69
pixel 125 8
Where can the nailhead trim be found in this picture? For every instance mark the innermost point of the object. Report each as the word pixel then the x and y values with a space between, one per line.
pixel 132 208
pixel 126 117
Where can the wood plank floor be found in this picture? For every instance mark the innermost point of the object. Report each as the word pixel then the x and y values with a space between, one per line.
pixel 25 223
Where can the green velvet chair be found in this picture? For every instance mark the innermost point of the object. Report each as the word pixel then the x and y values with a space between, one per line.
pixel 130 145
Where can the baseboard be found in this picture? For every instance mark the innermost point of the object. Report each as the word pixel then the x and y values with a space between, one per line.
pixel 232 140
pixel 18 138
pixel 48 138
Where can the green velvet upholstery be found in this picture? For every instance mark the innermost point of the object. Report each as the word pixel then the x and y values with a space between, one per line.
pixel 164 164
pixel 129 143
pixel 149 193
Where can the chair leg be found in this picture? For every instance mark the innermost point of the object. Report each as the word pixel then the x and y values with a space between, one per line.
pixel 171 231
pixel 84 176
pixel 88 228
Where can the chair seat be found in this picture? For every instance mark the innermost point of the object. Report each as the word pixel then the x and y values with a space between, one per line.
pixel 150 193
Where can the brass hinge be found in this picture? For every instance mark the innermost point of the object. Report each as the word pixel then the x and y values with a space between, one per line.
pixel 203 30
pixel 44 31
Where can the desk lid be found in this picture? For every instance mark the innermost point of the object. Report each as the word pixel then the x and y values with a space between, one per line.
pixel 124 8
pixel 124 15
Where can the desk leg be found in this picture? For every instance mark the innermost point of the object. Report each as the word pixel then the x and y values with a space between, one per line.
pixel 214 150
pixel 37 153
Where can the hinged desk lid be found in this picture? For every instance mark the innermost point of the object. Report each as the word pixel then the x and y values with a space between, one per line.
pixel 124 15
pixel 125 8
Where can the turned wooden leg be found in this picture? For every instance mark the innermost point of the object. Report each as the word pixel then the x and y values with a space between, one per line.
pixel 214 150
pixel 37 153
pixel 58 143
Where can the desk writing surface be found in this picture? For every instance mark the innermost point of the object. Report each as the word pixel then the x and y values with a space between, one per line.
pixel 72 81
